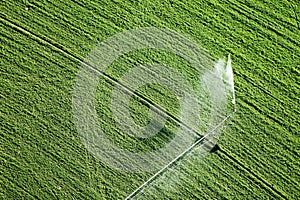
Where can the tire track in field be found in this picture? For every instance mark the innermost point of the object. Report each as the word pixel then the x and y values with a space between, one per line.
pixel 266 91
pixel 159 109
pixel 44 41
pixel 255 176
pixel 257 84
pixel 252 81
pixel 22 188
pixel 262 168
pixel 232 11
pixel 262 24
pixel 269 94
pixel 249 10
pixel 262 32
pixel 17 125
pixel 287 93
pixel 283 18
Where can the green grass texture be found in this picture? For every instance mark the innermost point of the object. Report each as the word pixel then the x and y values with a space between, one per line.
pixel 43 44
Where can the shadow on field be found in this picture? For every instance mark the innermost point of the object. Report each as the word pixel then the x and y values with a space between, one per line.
pixel 215 148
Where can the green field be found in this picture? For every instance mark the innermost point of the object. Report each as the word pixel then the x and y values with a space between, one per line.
pixel 42 46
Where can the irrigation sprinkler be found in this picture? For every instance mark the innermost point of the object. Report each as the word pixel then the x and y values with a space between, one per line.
pixel 203 102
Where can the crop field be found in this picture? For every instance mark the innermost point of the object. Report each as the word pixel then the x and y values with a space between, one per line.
pixel 45 44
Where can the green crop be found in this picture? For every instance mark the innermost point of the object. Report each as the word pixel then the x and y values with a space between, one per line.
pixel 41 154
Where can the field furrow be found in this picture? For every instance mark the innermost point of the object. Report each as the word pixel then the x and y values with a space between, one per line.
pixel 43 44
